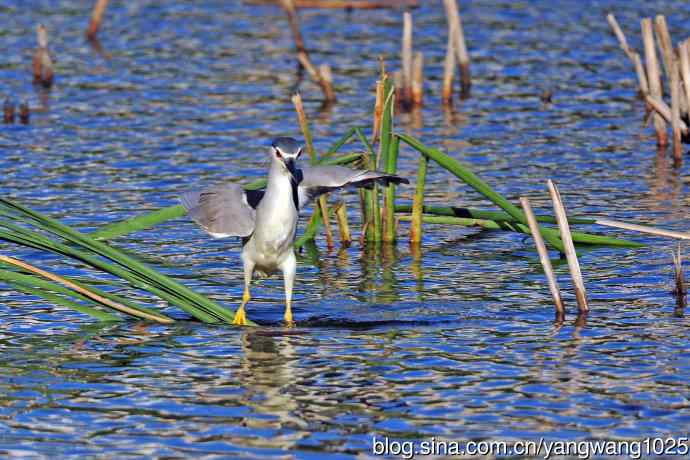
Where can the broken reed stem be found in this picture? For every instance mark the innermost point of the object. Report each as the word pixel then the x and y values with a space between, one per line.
pixel 406 56
pixel 643 229
pixel 327 83
pixel 653 78
pixel 685 70
pixel 389 234
pixel 620 35
pixel 631 53
pixel 24 113
pixel 675 112
pixel 570 254
pixel 85 292
pixel 679 290
pixel 418 201
pixel 304 126
pixel 323 206
pixel 96 18
pixel 343 224
pixel 378 108
pixel 347 4
pixel 664 111
pixel 544 259
pixel 449 68
pixel 375 233
pixel 459 47
pixel 665 44
pixel 42 62
pixel 399 85
pixel 313 159
pixel 8 111
pixel 418 79
pixel 641 75
pixel 324 81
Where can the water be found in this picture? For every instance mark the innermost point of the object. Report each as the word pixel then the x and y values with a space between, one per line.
pixel 458 344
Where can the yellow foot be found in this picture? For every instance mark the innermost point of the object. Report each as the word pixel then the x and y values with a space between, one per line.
pixel 240 317
pixel 288 317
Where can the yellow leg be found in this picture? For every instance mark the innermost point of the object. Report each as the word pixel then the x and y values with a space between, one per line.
pixel 240 316
pixel 289 267
pixel 288 313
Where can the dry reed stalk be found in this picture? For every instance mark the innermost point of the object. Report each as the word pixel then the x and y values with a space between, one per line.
pixel 406 56
pixel 323 206
pixel 665 44
pixel 418 79
pixel 343 224
pixel 96 18
pixel 378 108
pixel 643 229
pixel 83 291
pixel 570 253
pixel 399 84
pixel 631 53
pixel 418 201
pixel 346 4
pixel 448 69
pixel 459 47
pixel 683 53
pixel 679 291
pixel 675 112
pixel 303 57
pixel 544 259
pixel 620 35
pixel 24 113
pixel 8 112
pixel 42 62
pixel 327 82
pixel 664 111
pixel 653 78
pixel 304 125
pixel 641 75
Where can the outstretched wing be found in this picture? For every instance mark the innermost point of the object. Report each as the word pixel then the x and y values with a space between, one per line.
pixel 223 211
pixel 317 180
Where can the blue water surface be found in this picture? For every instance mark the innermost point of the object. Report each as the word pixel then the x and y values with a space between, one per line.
pixel 456 341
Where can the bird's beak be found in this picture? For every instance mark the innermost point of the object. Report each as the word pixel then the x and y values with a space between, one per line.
pixel 290 165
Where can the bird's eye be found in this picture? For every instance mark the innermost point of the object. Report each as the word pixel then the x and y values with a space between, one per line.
pixel 278 155
pixel 299 152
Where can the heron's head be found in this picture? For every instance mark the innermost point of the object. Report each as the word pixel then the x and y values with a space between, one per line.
pixel 286 151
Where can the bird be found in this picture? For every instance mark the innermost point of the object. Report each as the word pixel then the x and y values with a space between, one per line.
pixel 266 220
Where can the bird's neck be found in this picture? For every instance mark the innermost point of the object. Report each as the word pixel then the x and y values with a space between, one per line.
pixel 280 190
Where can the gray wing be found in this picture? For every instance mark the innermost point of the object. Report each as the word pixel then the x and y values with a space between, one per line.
pixel 223 211
pixel 317 180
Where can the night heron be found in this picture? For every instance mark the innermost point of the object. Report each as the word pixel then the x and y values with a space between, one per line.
pixel 266 220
